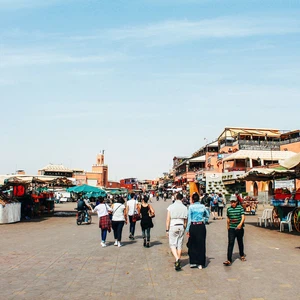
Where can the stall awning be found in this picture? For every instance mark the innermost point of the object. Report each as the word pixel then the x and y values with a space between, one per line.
pixel 262 154
pixel 262 174
pixel 291 162
pixel 198 159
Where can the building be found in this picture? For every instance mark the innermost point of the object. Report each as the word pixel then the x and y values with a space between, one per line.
pixel 56 170
pixel 217 166
pixel 98 176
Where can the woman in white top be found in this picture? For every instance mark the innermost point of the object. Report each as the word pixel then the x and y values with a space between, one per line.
pixel 103 211
pixel 118 219
pixel 132 208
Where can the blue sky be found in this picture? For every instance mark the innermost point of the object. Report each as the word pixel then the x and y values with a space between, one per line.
pixel 145 80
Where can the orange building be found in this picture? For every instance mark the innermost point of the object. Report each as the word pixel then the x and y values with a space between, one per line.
pixel 290 141
pixel 97 177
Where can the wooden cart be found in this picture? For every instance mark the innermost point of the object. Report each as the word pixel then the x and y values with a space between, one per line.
pixel 282 207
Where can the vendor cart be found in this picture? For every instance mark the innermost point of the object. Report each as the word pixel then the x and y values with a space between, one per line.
pixel 250 205
pixel 281 208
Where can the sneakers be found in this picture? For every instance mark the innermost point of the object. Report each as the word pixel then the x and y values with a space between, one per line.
pixel 119 244
pixel 131 236
pixel 177 265
pixel 144 243
pixel 103 244
pixel 193 266
pixel 200 267
pixel 148 245
pixel 116 243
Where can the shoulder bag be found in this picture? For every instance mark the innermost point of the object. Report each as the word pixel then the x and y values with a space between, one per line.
pixel 136 216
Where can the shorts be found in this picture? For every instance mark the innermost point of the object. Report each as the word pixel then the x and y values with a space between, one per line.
pixel 176 235
pixel 214 208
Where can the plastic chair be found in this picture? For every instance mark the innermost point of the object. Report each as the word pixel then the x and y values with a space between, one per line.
pixel 287 221
pixel 269 217
pixel 262 218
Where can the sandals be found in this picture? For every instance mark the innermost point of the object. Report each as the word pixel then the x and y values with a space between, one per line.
pixel 243 258
pixel 227 263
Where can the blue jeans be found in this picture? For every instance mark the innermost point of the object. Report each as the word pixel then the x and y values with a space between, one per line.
pixel 103 234
pixel 131 226
pixel 146 234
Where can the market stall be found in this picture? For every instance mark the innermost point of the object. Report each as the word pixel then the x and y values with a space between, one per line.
pixel 10 209
pixel 285 199
pixel 250 205
pixel 35 193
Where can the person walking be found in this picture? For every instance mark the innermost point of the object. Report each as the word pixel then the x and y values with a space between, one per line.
pixel 132 209
pixel 235 224
pixel 196 231
pixel 175 226
pixel 147 213
pixel 214 206
pixel 205 200
pixel 119 218
pixel 103 211
pixel 221 204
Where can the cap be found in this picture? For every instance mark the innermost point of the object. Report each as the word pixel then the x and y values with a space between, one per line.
pixel 233 200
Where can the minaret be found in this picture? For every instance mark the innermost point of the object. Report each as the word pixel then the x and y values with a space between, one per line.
pixel 100 158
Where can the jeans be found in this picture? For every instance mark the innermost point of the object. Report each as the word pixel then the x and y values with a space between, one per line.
pixel 131 226
pixel 117 227
pixel 232 234
pixel 220 211
pixel 146 234
pixel 103 234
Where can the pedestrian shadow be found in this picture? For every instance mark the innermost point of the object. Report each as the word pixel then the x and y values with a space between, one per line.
pixel 208 260
pixel 155 243
pixel 186 261
pixel 128 242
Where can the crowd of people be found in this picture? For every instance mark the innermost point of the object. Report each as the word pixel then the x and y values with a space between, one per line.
pixel 184 216
pixel 117 214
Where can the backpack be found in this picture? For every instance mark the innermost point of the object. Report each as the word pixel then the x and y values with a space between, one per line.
pixel 215 201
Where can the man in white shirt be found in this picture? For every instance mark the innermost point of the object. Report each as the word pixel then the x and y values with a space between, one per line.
pixel 132 209
pixel 175 226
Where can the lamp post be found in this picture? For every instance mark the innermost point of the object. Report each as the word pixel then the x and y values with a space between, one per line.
pixel 187 169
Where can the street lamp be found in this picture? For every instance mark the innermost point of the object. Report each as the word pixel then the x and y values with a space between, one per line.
pixel 187 169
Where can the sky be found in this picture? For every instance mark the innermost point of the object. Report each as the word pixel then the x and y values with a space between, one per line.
pixel 144 80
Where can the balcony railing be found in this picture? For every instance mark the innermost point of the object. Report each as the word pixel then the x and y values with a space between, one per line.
pixel 290 141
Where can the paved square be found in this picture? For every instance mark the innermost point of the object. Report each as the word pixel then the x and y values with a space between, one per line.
pixel 53 258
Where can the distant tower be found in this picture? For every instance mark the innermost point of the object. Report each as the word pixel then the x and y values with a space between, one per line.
pixel 100 158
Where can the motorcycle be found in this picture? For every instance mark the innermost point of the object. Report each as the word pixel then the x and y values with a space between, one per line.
pixel 83 216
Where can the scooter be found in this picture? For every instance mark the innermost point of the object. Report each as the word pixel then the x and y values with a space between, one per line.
pixel 83 216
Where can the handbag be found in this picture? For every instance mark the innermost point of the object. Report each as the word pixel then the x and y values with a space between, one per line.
pixel 151 215
pixel 136 216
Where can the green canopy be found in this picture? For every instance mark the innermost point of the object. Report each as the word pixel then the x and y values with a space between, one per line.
pixel 90 191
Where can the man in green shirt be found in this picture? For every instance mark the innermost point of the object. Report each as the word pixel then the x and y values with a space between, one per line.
pixel 235 224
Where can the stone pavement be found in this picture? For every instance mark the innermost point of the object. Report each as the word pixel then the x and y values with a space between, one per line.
pixel 53 258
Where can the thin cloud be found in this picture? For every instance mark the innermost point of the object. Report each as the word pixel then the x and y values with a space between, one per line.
pixel 44 58
pixel 170 32
pixel 26 4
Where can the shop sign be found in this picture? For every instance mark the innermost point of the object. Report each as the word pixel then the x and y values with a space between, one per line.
pixel 229 182
pixel 284 184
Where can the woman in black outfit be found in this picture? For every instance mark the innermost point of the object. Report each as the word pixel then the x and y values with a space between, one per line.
pixel 147 212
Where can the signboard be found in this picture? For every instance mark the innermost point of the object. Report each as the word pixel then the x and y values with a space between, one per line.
pixel 290 184
pixel 229 182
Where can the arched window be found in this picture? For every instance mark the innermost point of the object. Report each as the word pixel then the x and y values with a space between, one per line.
pixel 255 189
